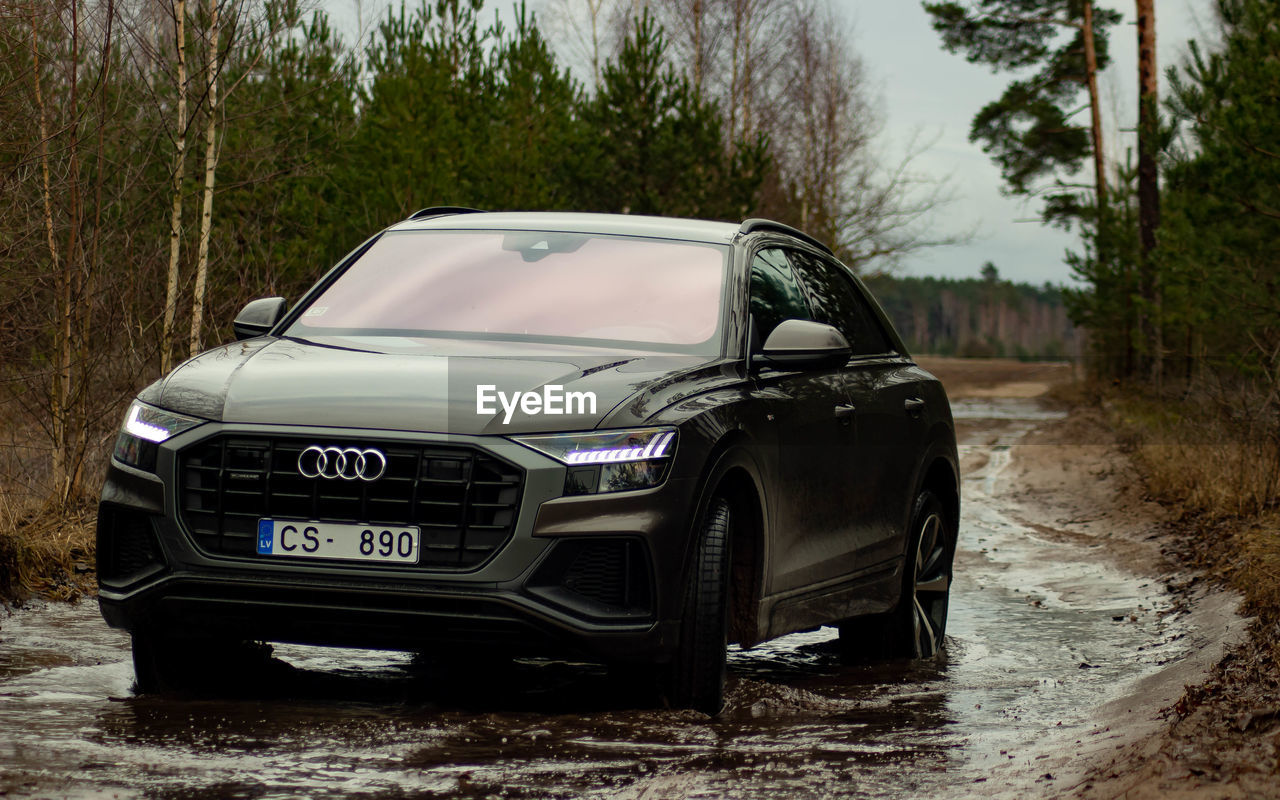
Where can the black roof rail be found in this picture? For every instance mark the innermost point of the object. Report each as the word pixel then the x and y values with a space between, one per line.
pixel 757 225
pixel 440 211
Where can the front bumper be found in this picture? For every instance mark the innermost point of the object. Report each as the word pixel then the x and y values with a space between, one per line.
pixel 409 618
pixel 522 600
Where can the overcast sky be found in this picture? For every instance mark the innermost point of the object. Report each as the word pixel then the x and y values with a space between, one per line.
pixel 930 95
pixel 928 90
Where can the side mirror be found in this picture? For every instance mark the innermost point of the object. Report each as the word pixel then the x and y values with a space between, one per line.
pixel 258 317
pixel 803 344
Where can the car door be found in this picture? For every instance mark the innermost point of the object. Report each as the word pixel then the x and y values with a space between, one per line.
pixel 811 541
pixel 888 423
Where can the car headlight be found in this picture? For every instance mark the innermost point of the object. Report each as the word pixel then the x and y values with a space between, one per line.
pixel 609 461
pixel 144 428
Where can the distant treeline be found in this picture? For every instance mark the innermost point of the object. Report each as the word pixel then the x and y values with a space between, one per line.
pixel 978 317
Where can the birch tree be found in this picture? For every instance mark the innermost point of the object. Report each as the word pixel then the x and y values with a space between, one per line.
pixel 210 175
pixel 60 389
pixel 179 15
pixel 55 78
pixel 696 32
pixel 585 31
pixel 842 186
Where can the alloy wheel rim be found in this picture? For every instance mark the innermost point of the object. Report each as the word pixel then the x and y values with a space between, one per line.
pixel 932 581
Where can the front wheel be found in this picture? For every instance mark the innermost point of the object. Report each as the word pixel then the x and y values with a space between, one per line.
pixel 166 663
pixel 696 675
pixel 917 627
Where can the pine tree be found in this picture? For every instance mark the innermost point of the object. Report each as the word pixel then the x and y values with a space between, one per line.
pixel 1222 198
pixel 1029 131
pixel 660 147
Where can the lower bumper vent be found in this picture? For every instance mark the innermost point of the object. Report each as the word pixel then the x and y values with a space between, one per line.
pixel 598 577
pixel 127 546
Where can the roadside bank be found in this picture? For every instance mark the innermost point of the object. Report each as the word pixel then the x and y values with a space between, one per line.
pixel 1136 482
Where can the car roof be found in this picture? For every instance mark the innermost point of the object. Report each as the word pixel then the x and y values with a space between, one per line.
pixel 617 224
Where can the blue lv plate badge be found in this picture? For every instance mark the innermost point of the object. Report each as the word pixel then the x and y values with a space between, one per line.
pixel 266 532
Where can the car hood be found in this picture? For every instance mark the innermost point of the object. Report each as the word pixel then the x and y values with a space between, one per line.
pixel 426 385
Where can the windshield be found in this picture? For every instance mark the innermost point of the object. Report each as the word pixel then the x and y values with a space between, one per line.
pixel 529 286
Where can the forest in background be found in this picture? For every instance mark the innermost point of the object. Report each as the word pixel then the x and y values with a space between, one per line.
pixel 164 161
pixel 979 317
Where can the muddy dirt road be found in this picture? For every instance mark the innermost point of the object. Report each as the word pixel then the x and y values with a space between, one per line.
pixel 1050 645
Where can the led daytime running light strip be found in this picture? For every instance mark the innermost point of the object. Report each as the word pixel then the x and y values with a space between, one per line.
pixel 144 430
pixel 657 448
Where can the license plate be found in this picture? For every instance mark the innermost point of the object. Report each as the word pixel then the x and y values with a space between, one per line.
pixel 302 539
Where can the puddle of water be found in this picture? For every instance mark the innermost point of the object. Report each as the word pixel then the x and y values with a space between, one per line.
pixel 1022 409
pixel 1033 650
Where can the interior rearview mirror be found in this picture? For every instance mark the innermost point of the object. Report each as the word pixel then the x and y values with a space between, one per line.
pixel 258 317
pixel 803 344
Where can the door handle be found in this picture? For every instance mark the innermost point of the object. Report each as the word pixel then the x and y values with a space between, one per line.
pixel 844 413
pixel 914 406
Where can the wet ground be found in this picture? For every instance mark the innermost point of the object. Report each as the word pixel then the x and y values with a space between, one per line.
pixel 1042 634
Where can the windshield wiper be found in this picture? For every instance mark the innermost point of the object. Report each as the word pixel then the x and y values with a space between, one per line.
pixel 313 343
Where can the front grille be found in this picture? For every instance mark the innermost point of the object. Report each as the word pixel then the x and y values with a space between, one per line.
pixel 464 501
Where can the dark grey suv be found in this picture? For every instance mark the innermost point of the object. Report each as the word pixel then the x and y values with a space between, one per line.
pixel 634 438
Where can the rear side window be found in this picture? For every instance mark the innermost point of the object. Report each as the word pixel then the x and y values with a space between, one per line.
pixel 838 302
pixel 775 293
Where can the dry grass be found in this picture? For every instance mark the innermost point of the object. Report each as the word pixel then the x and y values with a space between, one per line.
pixel 1200 461
pixel 1222 472
pixel 996 377
pixel 47 549
pixel 1258 571
pixel 45 552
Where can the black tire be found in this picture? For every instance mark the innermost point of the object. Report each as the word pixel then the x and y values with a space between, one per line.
pixel 917 627
pixel 696 675
pixel 154 668
pixel 165 663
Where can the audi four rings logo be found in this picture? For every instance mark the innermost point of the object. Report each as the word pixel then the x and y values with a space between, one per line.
pixel 347 463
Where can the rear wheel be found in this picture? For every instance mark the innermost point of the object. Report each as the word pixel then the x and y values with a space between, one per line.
pixel 696 676
pixel 917 627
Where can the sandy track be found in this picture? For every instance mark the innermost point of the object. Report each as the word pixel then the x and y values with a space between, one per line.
pixel 1068 481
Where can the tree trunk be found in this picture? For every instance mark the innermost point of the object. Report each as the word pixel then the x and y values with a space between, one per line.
pixel 698 66
pixel 90 302
pixel 1095 109
pixel 746 66
pixel 210 169
pixel 735 87
pixel 153 52
pixel 179 169
pixel 73 280
pixel 1104 222
pixel 593 7
pixel 1149 184
pixel 59 389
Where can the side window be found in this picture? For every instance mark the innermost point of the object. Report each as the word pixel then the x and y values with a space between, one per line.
pixel 775 293
pixel 838 302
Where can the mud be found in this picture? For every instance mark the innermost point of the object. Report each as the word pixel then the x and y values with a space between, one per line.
pixel 1051 646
